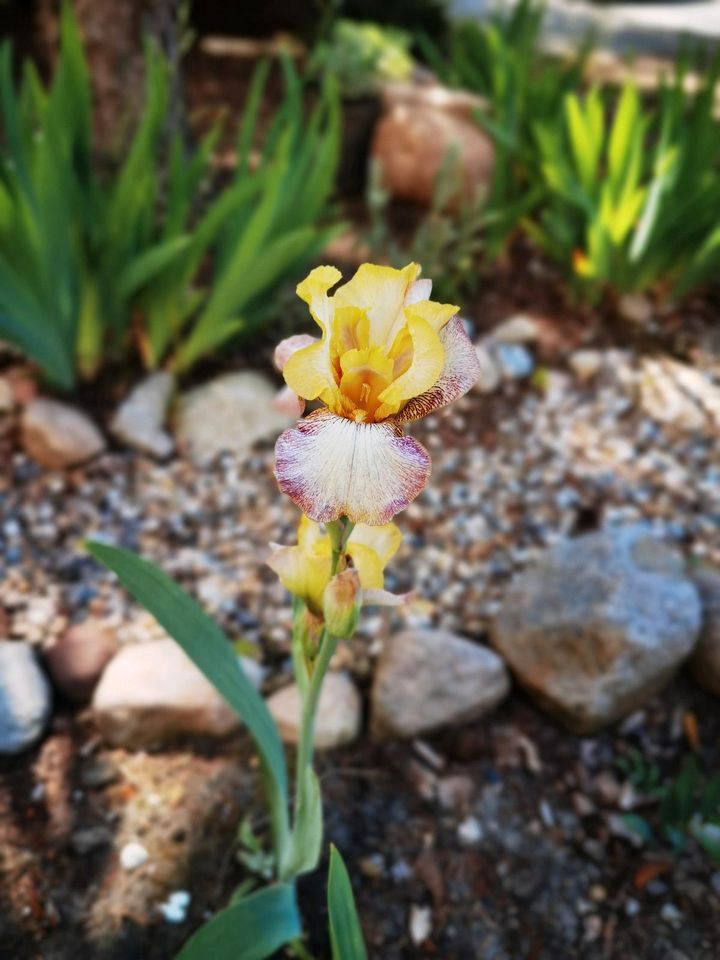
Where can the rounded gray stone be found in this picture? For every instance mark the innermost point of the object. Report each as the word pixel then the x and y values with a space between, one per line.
pixel 25 697
pixel 599 625
pixel 428 679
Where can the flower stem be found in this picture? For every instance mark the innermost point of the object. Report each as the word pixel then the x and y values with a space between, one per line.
pixel 309 708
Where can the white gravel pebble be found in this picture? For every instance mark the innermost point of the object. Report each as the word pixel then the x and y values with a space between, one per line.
pixel 470 831
pixel 671 914
pixel 175 908
pixel 420 925
pixel 133 855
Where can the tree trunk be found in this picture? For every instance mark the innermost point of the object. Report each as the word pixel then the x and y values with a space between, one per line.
pixel 113 32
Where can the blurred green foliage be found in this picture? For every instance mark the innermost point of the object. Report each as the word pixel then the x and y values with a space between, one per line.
pixel 632 191
pixel 689 803
pixel 96 263
pixel 362 56
pixel 501 60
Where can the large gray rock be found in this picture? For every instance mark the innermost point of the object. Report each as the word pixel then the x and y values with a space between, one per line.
pixel 428 679
pixel 599 625
pixel 140 418
pixel 231 413
pixel 25 697
pixel 705 662
pixel 339 715
pixel 151 693
pixel 57 435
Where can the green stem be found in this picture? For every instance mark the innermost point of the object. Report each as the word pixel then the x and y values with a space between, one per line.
pixel 298 653
pixel 309 709
pixel 310 675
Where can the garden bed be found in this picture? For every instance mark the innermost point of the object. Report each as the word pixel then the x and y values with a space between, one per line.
pixel 523 854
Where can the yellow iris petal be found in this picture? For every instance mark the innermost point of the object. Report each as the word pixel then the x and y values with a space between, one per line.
pixel 304 570
pixel 350 330
pixel 384 540
pixel 427 363
pixel 436 314
pixel 303 573
pixel 313 290
pixel 308 371
pixel 365 375
pixel 368 565
pixel 381 291
pixel 309 533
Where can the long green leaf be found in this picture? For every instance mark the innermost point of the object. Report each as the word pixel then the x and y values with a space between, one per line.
pixel 148 264
pixel 345 933
pixel 251 929
pixel 204 642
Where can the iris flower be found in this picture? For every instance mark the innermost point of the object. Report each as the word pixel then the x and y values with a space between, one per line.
pixel 387 355
pixel 304 570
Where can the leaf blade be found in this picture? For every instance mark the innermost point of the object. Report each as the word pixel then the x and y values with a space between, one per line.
pixel 204 642
pixel 251 929
pixel 345 933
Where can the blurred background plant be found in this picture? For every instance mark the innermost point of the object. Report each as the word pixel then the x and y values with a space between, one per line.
pixel 632 188
pixel 689 803
pixel 362 56
pixel 95 260
pixel 447 241
pixel 502 60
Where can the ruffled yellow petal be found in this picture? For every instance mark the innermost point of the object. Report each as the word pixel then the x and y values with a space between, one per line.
pixel 368 565
pixel 365 375
pixel 313 290
pixel 428 360
pixel 350 330
pixel 290 345
pixel 381 291
pixel 308 371
pixel 309 533
pixel 460 372
pixel 304 574
pixel 436 314
pixel 384 540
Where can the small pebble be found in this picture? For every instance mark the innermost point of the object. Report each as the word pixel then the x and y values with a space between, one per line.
pixel 470 831
pixel 175 908
pixel 401 871
pixel 133 855
pixel 420 925
pixel 671 914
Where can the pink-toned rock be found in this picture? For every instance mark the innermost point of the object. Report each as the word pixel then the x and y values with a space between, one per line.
pixel 152 693
pixel 77 659
pixel 57 435
pixel 339 714
pixel 413 139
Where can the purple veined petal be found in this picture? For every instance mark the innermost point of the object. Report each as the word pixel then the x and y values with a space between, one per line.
pixel 460 372
pixel 332 467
